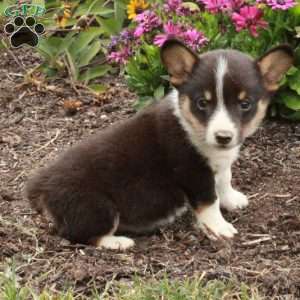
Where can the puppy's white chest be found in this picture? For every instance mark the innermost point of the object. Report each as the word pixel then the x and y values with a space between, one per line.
pixel 220 160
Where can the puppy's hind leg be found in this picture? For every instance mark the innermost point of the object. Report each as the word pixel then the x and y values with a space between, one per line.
pixel 110 241
pixel 91 218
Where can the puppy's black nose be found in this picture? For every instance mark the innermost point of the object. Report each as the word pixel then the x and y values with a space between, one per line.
pixel 223 137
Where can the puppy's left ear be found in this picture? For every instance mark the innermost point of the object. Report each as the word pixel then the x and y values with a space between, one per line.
pixel 274 64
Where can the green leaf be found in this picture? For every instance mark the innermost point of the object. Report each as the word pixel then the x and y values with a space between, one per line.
pixel 159 92
pixel 89 53
pixel 83 39
pixel 292 71
pixel 97 88
pixel 53 46
pixel 74 70
pixel 120 13
pixel 109 25
pixel 294 82
pixel 93 7
pixel 291 100
pixel 94 72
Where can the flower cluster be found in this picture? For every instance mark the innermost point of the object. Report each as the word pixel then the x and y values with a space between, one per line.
pixel 146 21
pixel 249 17
pixel 120 49
pixel 192 37
pixel 154 24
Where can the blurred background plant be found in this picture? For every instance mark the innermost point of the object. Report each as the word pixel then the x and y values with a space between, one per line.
pixel 78 33
pixel 247 25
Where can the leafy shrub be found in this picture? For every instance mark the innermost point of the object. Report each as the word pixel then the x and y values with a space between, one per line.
pixel 80 34
pixel 76 39
pixel 246 25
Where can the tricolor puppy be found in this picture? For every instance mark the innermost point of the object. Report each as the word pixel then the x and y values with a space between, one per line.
pixel 142 173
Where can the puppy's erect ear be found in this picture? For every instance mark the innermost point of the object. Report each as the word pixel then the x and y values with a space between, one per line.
pixel 274 64
pixel 178 60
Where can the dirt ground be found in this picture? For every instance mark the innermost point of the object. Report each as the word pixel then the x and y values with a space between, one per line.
pixel 34 128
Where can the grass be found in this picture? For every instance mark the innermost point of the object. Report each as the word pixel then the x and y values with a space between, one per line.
pixel 166 289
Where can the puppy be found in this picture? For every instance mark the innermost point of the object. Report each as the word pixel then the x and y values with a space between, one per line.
pixel 141 173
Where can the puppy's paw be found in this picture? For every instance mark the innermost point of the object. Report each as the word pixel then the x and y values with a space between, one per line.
pixel 234 200
pixel 212 222
pixel 115 242
pixel 218 229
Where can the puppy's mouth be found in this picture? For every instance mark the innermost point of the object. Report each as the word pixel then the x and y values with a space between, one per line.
pixel 225 147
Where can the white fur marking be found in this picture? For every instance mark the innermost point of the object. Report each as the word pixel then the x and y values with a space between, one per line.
pixel 171 218
pixel 213 224
pixel 221 120
pixel 222 68
pixel 230 199
pixel 115 242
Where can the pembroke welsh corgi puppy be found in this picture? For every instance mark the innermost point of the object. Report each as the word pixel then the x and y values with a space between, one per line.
pixel 141 173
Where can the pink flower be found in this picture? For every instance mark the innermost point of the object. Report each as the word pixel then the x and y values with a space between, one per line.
pixel 215 6
pixel 170 31
pixel 194 38
pixel 234 5
pixel 175 6
pixel 172 5
pixel 281 4
pixel 147 21
pixel 249 17
pixel 120 56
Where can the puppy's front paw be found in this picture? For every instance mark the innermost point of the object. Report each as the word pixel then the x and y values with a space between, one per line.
pixel 212 222
pixel 216 229
pixel 115 242
pixel 234 200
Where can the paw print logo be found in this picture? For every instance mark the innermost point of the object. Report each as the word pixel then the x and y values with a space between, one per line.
pixel 24 31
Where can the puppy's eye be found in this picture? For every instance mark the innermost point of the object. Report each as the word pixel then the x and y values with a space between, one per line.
pixel 245 105
pixel 202 104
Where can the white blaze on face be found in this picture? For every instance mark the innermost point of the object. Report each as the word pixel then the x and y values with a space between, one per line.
pixel 220 119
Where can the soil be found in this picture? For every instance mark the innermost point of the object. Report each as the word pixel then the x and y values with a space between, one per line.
pixel 36 124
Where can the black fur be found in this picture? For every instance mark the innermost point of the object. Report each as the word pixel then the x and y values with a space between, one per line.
pixel 141 170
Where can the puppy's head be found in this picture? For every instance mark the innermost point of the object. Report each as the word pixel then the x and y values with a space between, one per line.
pixel 223 94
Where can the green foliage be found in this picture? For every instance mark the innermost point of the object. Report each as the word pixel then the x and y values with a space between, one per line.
pixel 146 75
pixel 288 99
pixel 79 38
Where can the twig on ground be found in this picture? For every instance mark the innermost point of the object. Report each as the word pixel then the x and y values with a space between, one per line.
pixel 48 143
pixel 257 241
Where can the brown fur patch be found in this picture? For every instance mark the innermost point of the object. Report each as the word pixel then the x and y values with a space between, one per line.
pixel 207 95
pixel 250 127
pixel 242 95
pixel 185 104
